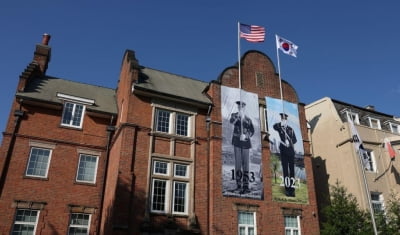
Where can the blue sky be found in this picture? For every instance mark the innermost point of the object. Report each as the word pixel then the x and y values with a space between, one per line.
pixel 347 49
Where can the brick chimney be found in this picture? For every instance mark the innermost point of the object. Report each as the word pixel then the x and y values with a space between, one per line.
pixel 38 66
pixel 42 53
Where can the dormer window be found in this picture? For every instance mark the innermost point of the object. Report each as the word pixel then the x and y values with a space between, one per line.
pixel 350 115
pixel 374 123
pixel 394 128
pixel 73 115
pixel 74 110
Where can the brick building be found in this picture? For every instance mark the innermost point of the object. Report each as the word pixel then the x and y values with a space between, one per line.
pixel 154 156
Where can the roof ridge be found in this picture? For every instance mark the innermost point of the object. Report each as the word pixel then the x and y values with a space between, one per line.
pixel 84 83
pixel 178 75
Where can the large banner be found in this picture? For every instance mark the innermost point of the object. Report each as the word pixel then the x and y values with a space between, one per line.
pixel 241 144
pixel 289 181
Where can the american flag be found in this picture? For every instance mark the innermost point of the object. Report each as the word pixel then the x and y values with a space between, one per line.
pixel 252 33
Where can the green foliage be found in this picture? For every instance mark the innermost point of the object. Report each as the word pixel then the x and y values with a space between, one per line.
pixel 343 215
pixel 389 222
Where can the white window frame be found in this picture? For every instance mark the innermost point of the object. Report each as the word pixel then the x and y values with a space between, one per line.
pixel 75 101
pixel 394 128
pixel 379 202
pixel 30 158
pixel 173 119
pixel 70 124
pixel 371 121
pixel 185 198
pixel 371 161
pixel 34 224
pixel 292 229
pixel 87 227
pixel 95 170
pixel 353 116
pixel 171 179
pixel 247 226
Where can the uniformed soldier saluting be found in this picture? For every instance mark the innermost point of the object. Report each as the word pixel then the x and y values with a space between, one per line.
pixel 286 147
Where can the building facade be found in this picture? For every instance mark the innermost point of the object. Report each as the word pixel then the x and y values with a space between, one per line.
pixel 161 154
pixel 337 158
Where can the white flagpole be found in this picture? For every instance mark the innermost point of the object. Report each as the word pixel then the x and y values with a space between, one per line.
pixel 240 80
pixel 279 71
pixel 368 193
pixel 240 83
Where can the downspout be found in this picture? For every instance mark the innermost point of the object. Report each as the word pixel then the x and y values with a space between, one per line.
pixel 110 132
pixel 208 122
pixel 18 114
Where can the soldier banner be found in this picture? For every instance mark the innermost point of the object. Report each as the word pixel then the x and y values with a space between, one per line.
pixel 289 182
pixel 241 144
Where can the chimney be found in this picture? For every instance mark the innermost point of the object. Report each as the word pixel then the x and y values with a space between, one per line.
pixel 45 39
pixel 42 53
pixel 370 107
pixel 39 64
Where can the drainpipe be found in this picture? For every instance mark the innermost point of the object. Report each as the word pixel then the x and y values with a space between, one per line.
pixel 18 114
pixel 208 122
pixel 110 132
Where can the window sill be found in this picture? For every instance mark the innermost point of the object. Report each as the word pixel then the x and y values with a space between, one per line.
pixel 85 183
pixel 169 214
pixel 173 136
pixel 72 128
pixel 36 178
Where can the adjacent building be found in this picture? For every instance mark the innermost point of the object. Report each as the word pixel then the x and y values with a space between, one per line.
pixel 160 154
pixel 336 158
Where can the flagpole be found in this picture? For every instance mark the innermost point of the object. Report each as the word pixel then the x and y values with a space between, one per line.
pixel 279 72
pixel 240 79
pixel 240 84
pixel 371 209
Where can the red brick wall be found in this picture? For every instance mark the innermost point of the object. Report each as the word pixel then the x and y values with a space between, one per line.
pixel 223 217
pixel 59 189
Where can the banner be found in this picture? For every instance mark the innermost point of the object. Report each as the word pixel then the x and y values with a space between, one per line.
pixel 289 181
pixel 241 144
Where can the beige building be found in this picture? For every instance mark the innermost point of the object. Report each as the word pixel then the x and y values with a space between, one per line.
pixel 335 156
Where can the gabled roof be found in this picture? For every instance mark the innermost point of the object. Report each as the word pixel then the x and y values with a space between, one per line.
pixel 46 88
pixel 172 85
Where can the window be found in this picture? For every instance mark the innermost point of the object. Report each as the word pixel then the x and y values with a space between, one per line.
pixel 377 202
pixel 247 223
pixel 292 225
pixel 182 124
pixel 79 224
pixel 368 159
pixel 352 116
pixel 25 221
pixel 87 168
pixel 73 114
pixel 172 122
pixel 170 181
pixel 38 163
pixel 394 128
pixel 374 123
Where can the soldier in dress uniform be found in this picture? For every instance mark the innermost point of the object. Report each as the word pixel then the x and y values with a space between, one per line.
pixel 242 132
pixel 286 148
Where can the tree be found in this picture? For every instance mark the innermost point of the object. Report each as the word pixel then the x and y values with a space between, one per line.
pixel 343 215
pixel 389 221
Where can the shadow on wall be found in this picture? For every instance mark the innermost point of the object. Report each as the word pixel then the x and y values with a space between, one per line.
pixel 313 122
pixel 321 178
pixel 396 174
